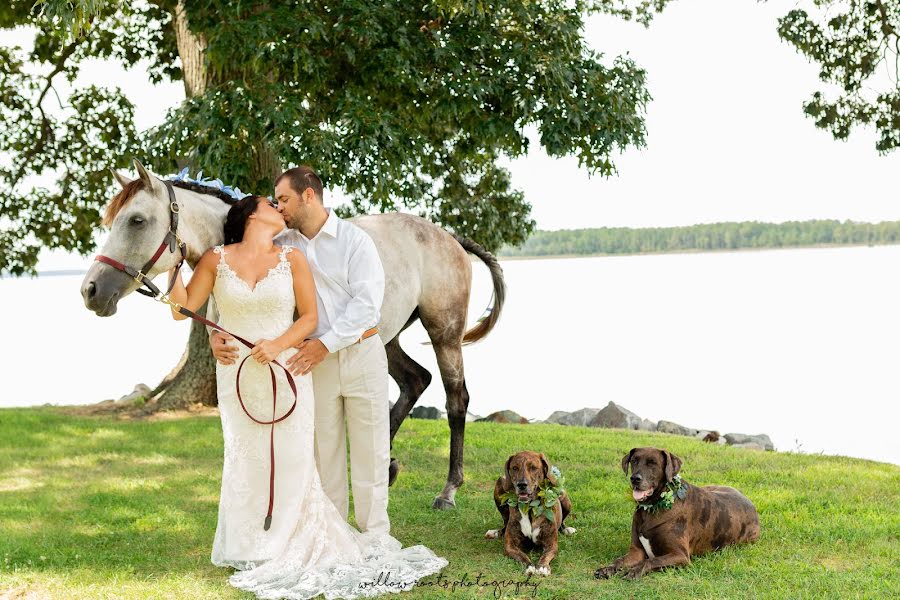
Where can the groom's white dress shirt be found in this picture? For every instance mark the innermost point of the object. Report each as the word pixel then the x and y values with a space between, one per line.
pixel 351 383
pixel 349 279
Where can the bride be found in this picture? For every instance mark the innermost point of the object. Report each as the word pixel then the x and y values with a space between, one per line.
pixel 282 534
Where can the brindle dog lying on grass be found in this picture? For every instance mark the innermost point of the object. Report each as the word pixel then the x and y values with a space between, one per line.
pixel 529 484
pixel 674 519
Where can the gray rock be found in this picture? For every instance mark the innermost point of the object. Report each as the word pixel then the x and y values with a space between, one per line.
pixel 647 425
pixel 471 417
pixel 616 416
pixel 675 428
pixel 761 439
pixel 426 412
pixel 581 417
pixel 504 416
pixel 140 391
pixel 749 446
pixel 557 416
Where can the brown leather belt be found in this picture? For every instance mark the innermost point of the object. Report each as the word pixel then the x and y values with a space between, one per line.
pixel 367 334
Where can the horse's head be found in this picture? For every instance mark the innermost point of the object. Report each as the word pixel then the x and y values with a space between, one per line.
pixel 138 217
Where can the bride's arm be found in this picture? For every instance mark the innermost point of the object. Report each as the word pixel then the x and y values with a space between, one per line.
pixel 198 288
pixel 305 297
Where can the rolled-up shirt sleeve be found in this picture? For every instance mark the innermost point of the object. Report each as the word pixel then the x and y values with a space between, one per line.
pixel 365 276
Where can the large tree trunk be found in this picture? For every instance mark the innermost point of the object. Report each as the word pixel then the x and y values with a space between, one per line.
pixel 190 49
pixel 193 380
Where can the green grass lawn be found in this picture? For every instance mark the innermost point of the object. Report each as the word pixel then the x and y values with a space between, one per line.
pixel 99 508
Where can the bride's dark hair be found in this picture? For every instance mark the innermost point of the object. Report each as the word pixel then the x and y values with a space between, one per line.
pixel 237 217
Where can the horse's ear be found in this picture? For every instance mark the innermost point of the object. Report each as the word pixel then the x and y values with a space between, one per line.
pixel 123 181
pixel 145 175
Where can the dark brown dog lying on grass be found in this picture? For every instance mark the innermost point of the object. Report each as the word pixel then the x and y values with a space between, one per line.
pixel 674 519
pixel 534 507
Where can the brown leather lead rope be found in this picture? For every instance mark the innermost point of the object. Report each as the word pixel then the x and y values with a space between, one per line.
pixel 172 241
pixel 189 313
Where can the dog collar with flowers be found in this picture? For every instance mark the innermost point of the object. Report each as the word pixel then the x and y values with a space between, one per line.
pixel 547 495
pixel 674 489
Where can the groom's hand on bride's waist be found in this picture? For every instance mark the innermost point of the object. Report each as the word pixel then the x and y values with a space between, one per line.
pixel 223 348
pixel 309 354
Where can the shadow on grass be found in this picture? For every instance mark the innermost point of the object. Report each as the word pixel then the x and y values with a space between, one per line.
pixel 107 495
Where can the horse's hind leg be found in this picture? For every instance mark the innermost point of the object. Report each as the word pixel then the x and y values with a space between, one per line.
pixel 443 308
pixel 450 360
pixel 412 379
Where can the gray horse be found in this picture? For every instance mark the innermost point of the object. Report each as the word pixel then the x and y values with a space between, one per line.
pixel 428 276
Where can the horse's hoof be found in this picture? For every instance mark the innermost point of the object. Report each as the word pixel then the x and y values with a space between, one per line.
pixel 393 469
pixel 442 504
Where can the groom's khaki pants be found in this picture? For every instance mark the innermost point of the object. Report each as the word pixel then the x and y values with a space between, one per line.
pixel 352 385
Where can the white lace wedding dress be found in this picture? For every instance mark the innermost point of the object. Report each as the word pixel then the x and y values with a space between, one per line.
pixel 309 549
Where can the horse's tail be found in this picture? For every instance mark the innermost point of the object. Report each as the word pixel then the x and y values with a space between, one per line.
pixel 492 314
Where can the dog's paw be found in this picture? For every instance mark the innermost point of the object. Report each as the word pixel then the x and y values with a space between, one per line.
pixel 531 570
pixel 492 534
pixel 569 530
pixel 636 572
pixel 543 571
pixel 605 572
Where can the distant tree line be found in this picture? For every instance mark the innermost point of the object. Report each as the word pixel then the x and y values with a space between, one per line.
pixel 712 236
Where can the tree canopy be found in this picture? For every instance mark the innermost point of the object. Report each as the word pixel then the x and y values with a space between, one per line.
pixel 857 47
pixel 401 105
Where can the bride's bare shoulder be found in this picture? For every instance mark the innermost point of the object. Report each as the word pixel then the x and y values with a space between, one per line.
pixel 209 260
pixel 296 258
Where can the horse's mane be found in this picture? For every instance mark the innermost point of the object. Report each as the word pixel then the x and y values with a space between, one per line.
pixel 131 188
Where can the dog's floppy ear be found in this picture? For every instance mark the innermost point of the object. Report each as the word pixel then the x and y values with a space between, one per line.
pixel 548 474
pixel 673 464
pixel 627 459
pixel 506 477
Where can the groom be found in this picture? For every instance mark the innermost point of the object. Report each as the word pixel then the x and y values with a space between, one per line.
pixel 346 356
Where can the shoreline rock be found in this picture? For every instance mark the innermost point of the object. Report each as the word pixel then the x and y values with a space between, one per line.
pixel 742 439
pixel 503 416
pixel 611 416
pixel 615 416
pixel 580 417
pixel 676 429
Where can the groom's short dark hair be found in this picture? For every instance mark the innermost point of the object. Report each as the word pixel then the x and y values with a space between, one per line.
pixel 303 177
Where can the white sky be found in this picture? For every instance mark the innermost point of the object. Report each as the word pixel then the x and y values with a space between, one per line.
pixel 727 139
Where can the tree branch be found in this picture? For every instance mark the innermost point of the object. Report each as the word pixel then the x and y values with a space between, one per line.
pixel 46 127
pixel 886 28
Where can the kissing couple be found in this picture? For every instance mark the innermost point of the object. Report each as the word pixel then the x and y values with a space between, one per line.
pixel 289 537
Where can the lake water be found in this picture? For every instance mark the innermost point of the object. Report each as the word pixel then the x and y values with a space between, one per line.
pixel 801 344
